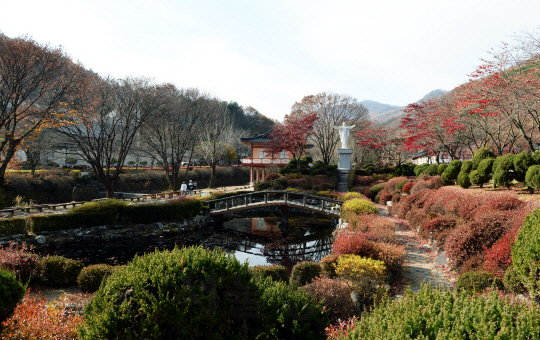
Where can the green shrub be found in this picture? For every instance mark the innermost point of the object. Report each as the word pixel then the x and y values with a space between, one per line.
pixel 511 281
pixel 328 265
pixel 149 213
pixel 303 272
pixel 358 207
pixel 370 170
pixel 526 254
pixel 435 313
pixel 178 294
pixel 377 198
pixel 352 195
pixel 276 272
pixel 450 174
pixel 376 188
pixel 475 178
pixel 287 313
pixel 192 293
pixel 90 277
pixel 58 271
pixel 432 170
pixel 108 204
pixel 480 155
pixel 406 169
pixel 522 162
pixel 441 168
pixel 11 292
pixel 420 169
pixel 484 170
pixel 504 162
pixel 13 226
pixel 533 177
pixel 463 180
pixel 72 220
pixel 466 166
pixel 536 157
pixel 503 178
pixel 477 281
pixel 364 274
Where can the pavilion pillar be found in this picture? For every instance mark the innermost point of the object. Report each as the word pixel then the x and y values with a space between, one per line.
pixel 251 174
pixel 257 177
pixel 263 174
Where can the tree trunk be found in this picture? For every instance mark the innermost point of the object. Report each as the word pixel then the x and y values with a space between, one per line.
pixel 3 199
pixel 212 175
pixel 110 190
pixel 33 169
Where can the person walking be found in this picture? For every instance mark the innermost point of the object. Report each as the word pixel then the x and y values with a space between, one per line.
pixel 183 189
pixel 191 187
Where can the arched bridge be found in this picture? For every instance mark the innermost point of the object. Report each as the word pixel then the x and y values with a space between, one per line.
pixel 270 198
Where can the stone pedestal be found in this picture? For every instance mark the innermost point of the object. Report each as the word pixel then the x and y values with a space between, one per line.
pixel 344 159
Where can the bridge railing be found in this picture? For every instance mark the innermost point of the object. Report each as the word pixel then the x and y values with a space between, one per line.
pixel 270 196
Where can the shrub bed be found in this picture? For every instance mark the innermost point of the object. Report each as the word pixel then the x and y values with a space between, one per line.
pixel 11 292
pixel 13 226
pixel 335 295
pixel 58 271
pixel 90 278
pixel 304 272
pixel 19 260
pixel 477 281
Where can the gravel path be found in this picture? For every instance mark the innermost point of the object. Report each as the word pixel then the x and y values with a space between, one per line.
pixel 419 261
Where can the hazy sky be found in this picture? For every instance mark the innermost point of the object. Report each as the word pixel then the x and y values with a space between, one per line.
pixel 270 54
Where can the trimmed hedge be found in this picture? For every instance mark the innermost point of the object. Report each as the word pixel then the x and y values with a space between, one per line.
pixel 116 214
pixel 58 271
pixel 13 226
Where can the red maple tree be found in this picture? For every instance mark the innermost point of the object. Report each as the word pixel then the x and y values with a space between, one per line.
pixel 292 136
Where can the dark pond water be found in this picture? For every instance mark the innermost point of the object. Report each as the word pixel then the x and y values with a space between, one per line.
pixel 257 237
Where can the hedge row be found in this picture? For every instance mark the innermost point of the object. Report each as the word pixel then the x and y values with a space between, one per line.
pixel 131 214
pixel 13 226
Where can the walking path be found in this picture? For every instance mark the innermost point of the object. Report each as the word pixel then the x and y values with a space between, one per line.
pixel 419 262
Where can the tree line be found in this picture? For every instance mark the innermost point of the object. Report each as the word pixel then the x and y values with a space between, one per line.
pixel 46 98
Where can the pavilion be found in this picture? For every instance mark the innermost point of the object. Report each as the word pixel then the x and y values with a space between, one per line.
pixel 259 161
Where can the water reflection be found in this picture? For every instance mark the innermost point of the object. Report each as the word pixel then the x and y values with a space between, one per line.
pixel 262 240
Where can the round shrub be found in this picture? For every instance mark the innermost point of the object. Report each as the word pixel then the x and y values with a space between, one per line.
pixel 477 281
pixel 463 180
pixel 328 265
pixel 364 274
pixel 108 204
pixel 511 281
pixel 407 187
pixel 352 194
pixel 441 168
pixel 90 277
pixel 275 272
pixel 456 163
pixel 432 170
pixel 335 294
pixel 503 178
pixel 533 177
pixel 536 157
pixel 467 166
pixel 377 199
pixel 522 162
pixel 370 170
pixel 358 207
pixel 377 188
pixel 485 167
pixel 480 155
pixel 178 294
pixel 526 254
pixel 58 271
pixel 419 169
pixel 475 178
pixel 450 174
pixel 385 196
pixel 11 292
pixel 304 272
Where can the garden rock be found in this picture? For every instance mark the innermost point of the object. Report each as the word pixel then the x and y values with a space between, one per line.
pixel 41 239
pixel 442 259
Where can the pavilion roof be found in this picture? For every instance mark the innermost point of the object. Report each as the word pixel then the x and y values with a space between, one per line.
pixel 257 139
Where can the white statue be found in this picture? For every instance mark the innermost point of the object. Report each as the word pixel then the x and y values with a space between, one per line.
pixel 344 134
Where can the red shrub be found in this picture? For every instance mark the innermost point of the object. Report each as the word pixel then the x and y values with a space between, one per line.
pixel 34 319
pixel 392 255
pixel 427 182
pixel 476 262
pixel 417 218
pixel 437 225
pixel 20 260
pixel 445 201
pixel 384 196
pixel 363 180
pixel 272 176
pixel 405 205
pixel 340 329
pixel 499 256
pixel 367 192
pixel 472 238
pixel 391 185
pixel 355 243
pixel 503 202
pixel 407 187
pixel 335 296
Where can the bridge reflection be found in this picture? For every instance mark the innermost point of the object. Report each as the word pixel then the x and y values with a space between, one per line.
pixel 262 240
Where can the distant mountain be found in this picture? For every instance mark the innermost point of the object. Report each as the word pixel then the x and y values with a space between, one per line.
pixel 391 117
pixel 376 107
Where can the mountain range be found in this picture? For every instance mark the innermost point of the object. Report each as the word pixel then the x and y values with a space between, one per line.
pixel 389 115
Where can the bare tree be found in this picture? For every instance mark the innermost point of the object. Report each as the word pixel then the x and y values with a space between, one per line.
pixel 34 79
pixel 214 135
pixel 332 110
pixel 171 133
pixel 35 145
pixel 105 119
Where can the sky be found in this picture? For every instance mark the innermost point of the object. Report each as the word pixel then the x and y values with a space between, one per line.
pixel 270 54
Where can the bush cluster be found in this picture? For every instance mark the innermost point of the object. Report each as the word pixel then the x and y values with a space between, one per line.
pixel 526 254
pixel 335 295
pixel 19 260
pixel 11 292
pixel 58 271
pixel 90 278
pixel 206 294
pixel 304 272
pixel 358 206
pixel 275 272
pixel 13 226
pixel 477 281
pixel 364 274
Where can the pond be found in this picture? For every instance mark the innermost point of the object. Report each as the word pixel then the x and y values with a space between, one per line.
pixel 256 236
